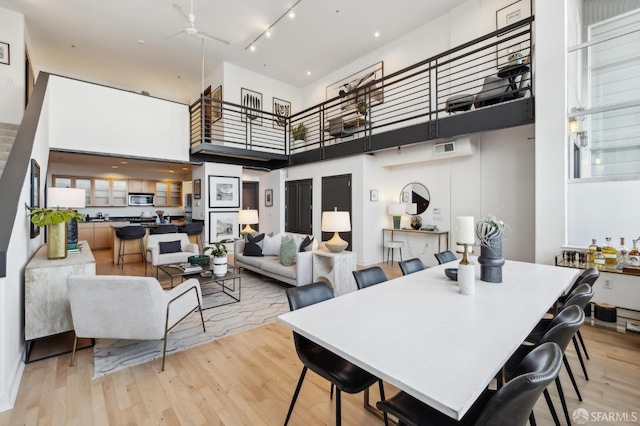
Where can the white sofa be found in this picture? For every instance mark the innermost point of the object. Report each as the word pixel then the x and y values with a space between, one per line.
pixel 298 274
pixel 153 255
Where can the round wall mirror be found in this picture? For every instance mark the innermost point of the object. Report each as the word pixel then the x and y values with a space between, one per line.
pixel 416 193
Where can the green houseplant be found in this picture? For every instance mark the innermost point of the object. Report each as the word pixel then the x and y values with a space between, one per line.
pixel 362 106
pixel 56 222
pixel 299 132
pixel 219 252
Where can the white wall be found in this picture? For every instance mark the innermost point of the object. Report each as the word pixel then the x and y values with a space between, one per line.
pixel 87 117
pixel 12 80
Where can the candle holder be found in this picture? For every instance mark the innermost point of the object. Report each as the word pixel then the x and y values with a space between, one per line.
pixel 466 273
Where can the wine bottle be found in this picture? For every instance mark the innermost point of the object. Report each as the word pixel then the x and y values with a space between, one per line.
pixel 634 255
pixel 592 250
pixel 598 259
pixel 610 253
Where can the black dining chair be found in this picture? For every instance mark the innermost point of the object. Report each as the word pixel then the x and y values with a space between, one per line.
pixel 512 404
pixel 193 228
pixel 561 329
pixel 369 276
pixel 163 229
pixel 410 266
pixel 127 233
pixel 346 376
pixel 445 256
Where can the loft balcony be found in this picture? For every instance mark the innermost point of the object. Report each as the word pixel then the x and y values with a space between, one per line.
pixel 482 85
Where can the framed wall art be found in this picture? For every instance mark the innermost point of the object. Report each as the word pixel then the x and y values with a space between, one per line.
pixel 281 111
pixel 197 189
pixel 223 225
pixel 268 197
pixel 252 105
pixel 35 194
pixel 4 54
pixel 224 191
pixel 216 107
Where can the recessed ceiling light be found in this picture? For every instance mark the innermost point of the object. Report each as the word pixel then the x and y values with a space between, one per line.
pixel 308 72
pixel 142 42
pixel 376 34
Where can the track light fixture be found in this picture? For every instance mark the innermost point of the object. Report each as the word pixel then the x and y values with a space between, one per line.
pixel 267 32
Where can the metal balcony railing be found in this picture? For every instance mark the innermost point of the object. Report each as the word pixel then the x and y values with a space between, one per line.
pixel 492 69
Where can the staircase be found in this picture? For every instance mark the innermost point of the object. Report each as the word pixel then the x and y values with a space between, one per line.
pixel 7 136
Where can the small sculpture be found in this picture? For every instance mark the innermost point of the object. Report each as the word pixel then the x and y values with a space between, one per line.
pixel 416 222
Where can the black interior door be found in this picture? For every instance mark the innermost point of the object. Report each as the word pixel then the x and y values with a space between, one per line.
pixel 250 199
pixel 298 206
pixel 336 192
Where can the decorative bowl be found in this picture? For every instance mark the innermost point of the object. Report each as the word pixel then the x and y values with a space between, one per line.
pixel 452 273
pixel 199 260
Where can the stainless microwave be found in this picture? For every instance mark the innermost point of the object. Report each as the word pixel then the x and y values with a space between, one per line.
pixel 140 199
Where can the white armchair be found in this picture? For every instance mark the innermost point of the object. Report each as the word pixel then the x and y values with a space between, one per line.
pixel 155 254
pixel 125 307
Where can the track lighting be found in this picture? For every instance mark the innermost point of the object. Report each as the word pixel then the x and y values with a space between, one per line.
pixel 267 32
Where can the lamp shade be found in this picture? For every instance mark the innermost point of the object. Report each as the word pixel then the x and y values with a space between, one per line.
pixel 412 208
pixel 336 221
pixel 397 209
pixel 66 198
pixel 248 217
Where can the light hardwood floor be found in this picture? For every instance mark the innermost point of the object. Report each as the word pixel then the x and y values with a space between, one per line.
pixel 248 379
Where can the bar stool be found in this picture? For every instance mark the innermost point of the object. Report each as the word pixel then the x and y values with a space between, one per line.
pixel 390 246
pixel 129 233
pixel 193 228
pixel 163 229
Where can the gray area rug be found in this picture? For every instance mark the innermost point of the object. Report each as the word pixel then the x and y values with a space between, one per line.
pixel 262 300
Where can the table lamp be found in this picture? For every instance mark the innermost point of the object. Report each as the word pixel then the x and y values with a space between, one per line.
pixel 335 221
pixel 396 210
pixel 248 217
pixel 68 198
pixel 465 236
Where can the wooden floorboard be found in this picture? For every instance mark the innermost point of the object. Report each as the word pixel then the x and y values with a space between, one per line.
pixel 248 379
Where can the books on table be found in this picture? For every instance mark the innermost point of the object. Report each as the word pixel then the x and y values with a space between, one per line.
pixel 189 268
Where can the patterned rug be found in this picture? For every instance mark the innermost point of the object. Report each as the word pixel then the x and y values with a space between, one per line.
pixel 262 300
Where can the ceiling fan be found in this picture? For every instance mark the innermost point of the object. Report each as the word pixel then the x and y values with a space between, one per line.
pixel 191 29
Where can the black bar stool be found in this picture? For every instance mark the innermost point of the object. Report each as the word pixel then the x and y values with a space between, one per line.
pixel 193 228
pixel 129 233
pixel 163 229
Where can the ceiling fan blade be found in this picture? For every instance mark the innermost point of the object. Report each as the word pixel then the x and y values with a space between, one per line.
pixel 210 37
pixel 171 37
pixel 181 12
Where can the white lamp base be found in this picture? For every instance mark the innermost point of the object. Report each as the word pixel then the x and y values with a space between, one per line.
pixel 336 244
pixel 247 230
pixel 467 279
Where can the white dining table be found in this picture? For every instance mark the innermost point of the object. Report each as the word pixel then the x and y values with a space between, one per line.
pixel 420 334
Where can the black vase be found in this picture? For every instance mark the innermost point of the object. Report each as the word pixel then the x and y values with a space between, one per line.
pixel 491 262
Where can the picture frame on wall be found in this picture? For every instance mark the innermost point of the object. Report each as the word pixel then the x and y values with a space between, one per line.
pixel 224 191
pixel 216 107
pixel 5 57
pixel 197 189
pixel 268 197
pixel 251 106
pixel 35 194
pixel 281 111
pixel 223 225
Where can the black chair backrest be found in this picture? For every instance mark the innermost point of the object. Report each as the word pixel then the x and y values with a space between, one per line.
pixel 445 256
pixel 564 326
pixel 130 232
pixel 163 229
pixel 512 403
pixel 368 277
pixel 581 296
pixel 410 266
pixel 588 276
pixel 192 228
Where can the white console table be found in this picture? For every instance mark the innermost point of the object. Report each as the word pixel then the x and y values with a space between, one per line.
pixel 46 301
pixel 336 269
pixel 438 234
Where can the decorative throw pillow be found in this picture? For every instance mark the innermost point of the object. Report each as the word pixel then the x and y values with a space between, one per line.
pixel 253 247
pixel 288 250
pixel 307 243
pixel 271 245
pixel 170 246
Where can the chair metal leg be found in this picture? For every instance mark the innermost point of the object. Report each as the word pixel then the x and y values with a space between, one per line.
pixel 584 368
pixel 532 419
pixel 400 249
pixel 338 408
pixel 73 353
pixel 295 394
pixel 382 398
pixel 552 409
pixel 583 346
pixel 331 393
pixel 573 380
pixel 564 403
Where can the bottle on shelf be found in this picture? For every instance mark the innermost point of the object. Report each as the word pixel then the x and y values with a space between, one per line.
pixel 598 259
pixel 592 250
pixel 623 255
pixel 610 254
pixel 634 255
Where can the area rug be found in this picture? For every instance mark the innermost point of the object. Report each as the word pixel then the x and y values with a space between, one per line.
pixel 262 300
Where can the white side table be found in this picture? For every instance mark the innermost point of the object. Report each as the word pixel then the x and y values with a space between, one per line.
pixel 336 269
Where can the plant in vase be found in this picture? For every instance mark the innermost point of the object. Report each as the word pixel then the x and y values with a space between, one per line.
pixel 362 106
pixel 490 232
pixel 56 222
pixel 219 252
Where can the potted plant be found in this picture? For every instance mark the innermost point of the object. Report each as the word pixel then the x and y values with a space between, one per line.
pixel 56 222
pixel 490 232
pixel 299 132
pixel 219 252
pixel 362 106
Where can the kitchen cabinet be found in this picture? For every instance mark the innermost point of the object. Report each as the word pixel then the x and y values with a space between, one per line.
pixel 101 192
pixel 168 194
pixel 85 232
pixel 140 186
pixel 97 234
pixel 119 193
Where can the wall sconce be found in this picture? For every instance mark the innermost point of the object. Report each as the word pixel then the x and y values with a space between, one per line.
pixel 574 126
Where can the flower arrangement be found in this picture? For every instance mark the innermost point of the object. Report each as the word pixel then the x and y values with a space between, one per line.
pixel 491 230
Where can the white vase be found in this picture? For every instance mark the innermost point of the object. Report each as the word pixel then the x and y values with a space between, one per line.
pixel 220 266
